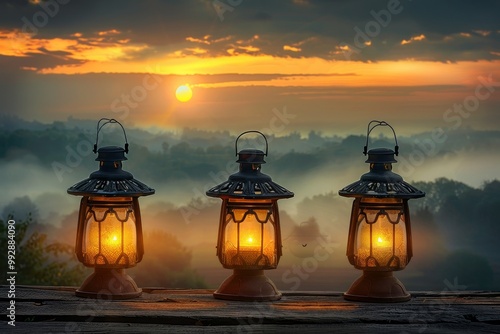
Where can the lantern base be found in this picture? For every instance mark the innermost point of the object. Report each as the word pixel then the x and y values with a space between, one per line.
pixel 377 286
pixel 248 285
pixel 106 283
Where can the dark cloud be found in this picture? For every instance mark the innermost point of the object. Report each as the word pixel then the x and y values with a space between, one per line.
pixel 165 25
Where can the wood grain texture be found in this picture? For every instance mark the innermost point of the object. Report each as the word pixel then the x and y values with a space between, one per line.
pixel 58 310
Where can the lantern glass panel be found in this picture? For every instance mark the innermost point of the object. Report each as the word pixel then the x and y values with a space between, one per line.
pixel 381 242
pixel 110 237
pixel 249 237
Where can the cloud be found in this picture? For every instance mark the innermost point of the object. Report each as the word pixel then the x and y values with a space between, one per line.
pixel 109 32
pixel 286 29
pixel 296 47
pixel 103 46
pixel 420 37
pixel 291 48
pixel 198 40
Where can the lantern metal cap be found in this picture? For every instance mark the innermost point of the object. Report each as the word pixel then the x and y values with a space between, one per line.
pixel 251 156
pixel 381 155
pixel 250 182
pixel 110 179
pixel 111 153
pixel 380 181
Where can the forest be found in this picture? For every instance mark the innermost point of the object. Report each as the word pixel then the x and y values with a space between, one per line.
pixel 454 226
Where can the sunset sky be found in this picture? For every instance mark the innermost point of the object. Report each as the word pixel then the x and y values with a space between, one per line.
pixel 294 65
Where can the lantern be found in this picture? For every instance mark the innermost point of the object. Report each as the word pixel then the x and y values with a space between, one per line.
pixel 109 233
pixel 379 240
pixel 249 239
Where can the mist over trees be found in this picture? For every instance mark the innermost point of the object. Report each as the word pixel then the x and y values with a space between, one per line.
pixel 46 256
pixel 37 261
pixel 454 227
pixel 195 154
pixel 460 229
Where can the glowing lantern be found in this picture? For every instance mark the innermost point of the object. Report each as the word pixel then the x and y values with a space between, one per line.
pixel 249 231
pixel 379 239
pixel 109 234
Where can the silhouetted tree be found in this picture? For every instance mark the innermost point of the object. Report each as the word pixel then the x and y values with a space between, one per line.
pixel 38 262
pixel 470 270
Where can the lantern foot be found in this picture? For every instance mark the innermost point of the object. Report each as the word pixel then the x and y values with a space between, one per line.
pixel 106 283
pixel 377 286
pixel 248 285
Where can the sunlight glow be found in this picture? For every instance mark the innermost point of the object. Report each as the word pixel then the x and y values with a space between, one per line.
pixel 308 72
pixel 184 93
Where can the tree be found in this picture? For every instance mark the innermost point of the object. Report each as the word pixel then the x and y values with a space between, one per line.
pixel 471 270
pixel 36 261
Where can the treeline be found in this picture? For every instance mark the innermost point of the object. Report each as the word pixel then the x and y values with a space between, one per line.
pixel 196 154
pixel 456 229
pixel 467 217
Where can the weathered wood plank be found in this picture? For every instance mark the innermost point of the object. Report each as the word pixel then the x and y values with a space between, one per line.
pixel 57 309
pixel 120 328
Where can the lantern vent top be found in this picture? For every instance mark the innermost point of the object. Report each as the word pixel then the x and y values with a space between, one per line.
pixel 381 181
pixel 110 179
pixel 249 182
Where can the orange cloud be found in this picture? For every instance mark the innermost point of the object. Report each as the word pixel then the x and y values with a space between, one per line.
pixel 248 41
pixel 249 48
pixel 206 39
pixel 109 32
pixel 296 47
pixel 413 39
pixel 291 48
pixel 17 44
pixel 198 40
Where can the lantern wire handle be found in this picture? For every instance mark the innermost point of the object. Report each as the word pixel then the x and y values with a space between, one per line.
pixel 100 126
pixel 254 131
pixel 370 129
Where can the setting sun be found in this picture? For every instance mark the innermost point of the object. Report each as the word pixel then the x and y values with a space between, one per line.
pixel 183 93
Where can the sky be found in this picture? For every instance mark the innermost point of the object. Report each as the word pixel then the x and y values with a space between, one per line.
pixel 280 66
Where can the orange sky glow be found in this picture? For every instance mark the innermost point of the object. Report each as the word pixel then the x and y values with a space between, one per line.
pixel 104 53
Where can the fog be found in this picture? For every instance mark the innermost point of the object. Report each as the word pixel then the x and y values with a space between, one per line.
pixel 314 221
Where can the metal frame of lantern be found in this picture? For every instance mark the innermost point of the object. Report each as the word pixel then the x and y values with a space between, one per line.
pixel 249 237
pixel 379 240
pixel 109 233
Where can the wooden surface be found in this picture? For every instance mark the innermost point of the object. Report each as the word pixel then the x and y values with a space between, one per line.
pixel 58 310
